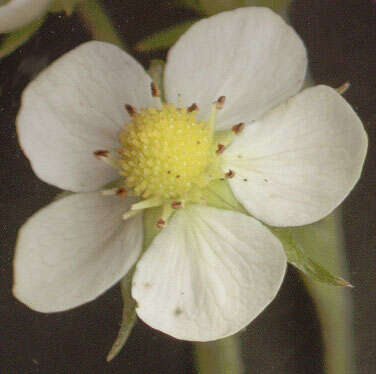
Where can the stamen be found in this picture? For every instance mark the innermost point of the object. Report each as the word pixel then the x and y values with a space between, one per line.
pixel 192 108
pixel 216 105
pixel 119 191
pixel 177 204
pixel 131 110
pixel 343 88
pixel 220 102
pixel 230 174
pixel 155 91
pixel 161 223
pixel 148 203
pixel 109 192
pixel 106 156
pixel 130 214
pixel 237 129
pixel 166 213
pixel 220 149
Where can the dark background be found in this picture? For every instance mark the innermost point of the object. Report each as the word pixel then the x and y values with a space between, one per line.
pixel 341 39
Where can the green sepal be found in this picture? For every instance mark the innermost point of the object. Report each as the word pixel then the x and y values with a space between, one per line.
pixel 66 6
pixel 15 39
pixel 279 6
pixel 219 195
pixel 190 4
pixel 129 316
pixel 163 39
pixel 298 258
pixel 156 70
pixel 211 7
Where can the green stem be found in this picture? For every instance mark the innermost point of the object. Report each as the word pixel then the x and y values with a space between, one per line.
pixel 97 21
pixel 219 357
pixel 325 242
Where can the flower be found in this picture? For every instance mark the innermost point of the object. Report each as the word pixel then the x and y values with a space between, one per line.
pixel 17 13
pixel 289 160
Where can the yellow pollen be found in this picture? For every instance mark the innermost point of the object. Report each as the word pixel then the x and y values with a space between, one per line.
pixel 166 153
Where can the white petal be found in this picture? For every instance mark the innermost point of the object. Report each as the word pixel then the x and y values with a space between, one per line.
pixel 17 13
pixel 76 107
pixel 300 161
pixel 73 250
pixel 208 274
pixel 249 55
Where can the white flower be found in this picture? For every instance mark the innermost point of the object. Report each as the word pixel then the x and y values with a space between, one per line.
pixel 17 13
pixel 209 272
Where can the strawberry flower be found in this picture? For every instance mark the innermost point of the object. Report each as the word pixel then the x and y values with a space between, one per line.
pixel 232 112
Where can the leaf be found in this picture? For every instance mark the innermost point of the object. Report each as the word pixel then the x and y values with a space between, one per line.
pixel 129 317
pixel 296 257
pixel 163 39
pixel 15 39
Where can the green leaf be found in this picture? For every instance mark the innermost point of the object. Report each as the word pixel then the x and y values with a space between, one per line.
pixel 129 317
pixel 297 257
pixel 15 39
pixel 163 39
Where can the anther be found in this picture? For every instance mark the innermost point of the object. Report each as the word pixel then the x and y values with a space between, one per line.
pixel 220 102
pixel 121 192
pixel 177 205
pixel 343 88
pixel 192 108
pixel 155 91
pixel 131 110
pixel 161 223
pixel 237 129
pixel 230 174
pixel 220 149
pixel 101 153
pixel 106 156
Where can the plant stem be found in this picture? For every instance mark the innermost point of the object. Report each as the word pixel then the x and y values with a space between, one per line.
pixel 97 21
pixel 219 357
pixel 325 242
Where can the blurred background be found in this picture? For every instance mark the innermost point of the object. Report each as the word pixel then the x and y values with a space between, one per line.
pixel 286 338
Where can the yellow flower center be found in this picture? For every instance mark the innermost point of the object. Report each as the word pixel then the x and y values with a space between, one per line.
pixel 166 153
